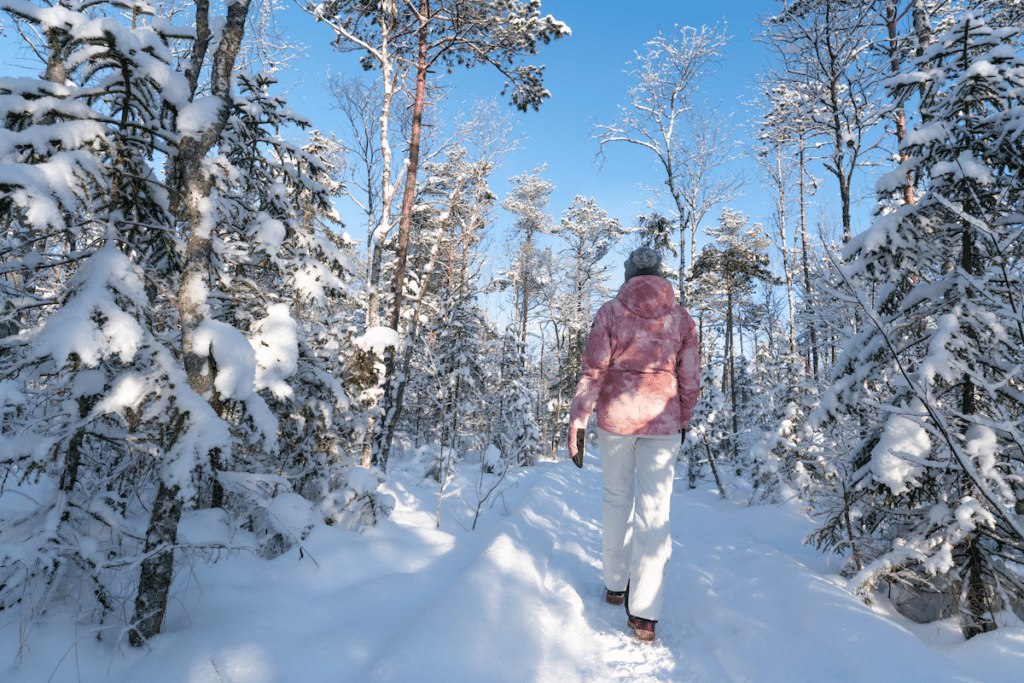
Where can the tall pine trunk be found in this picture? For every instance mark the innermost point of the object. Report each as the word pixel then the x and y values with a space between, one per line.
pixel 732 365
pixel 812 357
pixel 398 374
pixel 409 196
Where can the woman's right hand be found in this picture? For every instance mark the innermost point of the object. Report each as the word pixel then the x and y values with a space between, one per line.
pixel 575 424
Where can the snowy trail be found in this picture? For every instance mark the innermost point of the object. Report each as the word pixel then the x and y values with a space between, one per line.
pixel 529 606
pixel 521 599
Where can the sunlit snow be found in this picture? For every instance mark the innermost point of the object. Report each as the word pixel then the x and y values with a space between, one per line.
pixel 518 599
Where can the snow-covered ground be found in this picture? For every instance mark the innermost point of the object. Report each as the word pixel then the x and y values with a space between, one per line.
pixel 520 598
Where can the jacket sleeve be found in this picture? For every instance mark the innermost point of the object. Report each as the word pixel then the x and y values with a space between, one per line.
pixel 688 369
pixel 597 357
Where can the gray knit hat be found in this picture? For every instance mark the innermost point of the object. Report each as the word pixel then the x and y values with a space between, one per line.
pixel 643 261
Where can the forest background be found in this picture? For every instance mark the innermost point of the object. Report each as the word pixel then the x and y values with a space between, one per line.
pixel 220 307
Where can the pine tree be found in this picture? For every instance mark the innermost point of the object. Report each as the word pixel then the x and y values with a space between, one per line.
pixel 735 265
pixel 589 235
pixel 782 459
pixel 528 200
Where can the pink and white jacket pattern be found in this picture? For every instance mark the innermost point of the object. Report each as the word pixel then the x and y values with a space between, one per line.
pixel 641 366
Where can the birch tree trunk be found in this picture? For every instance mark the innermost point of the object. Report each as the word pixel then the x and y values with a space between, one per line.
pixel 390 74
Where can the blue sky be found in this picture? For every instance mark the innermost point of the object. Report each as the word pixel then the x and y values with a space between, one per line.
pixel 586 76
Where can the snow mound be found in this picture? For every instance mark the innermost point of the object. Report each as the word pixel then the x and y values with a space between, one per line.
pixel 376 339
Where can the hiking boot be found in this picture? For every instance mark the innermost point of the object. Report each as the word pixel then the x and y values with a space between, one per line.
pixel 643 629
pixel 614 597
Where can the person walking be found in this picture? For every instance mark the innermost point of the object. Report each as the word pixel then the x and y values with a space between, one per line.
pixel 641 370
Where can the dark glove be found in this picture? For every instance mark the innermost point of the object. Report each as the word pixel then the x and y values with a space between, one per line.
pixel 577 440
pixel 581 447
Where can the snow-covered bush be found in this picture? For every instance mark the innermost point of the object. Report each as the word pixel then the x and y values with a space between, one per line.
pixel 707 437
pixel 492 460
pixel 358 502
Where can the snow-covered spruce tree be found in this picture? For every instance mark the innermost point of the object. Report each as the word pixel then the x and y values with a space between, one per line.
pixel 998 13
pixel 96 408
pixel 514 427
pixel 784 457
pixel 456 369
pixel 280 276
pixel 453 372
pixel 270 327
pixel 458 335
pixel 709 435
pixel 743 409
pixel 934 378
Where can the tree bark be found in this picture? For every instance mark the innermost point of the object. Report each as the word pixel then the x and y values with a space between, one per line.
pixel 813 355
pixel 685 219
pixel 732 364
pixel 156 577
pixel 714 470
pixel 527 249
pixel 922 27
pixel 158 569
pixel 787 266
pixel 978 616
pixel 409 196
pixel 900 114
pixel 196 188
pixel 378 235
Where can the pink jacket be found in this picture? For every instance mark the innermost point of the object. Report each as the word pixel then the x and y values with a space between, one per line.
pixel 641 367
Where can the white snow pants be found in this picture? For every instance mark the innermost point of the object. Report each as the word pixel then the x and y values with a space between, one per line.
pixel 635 519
